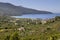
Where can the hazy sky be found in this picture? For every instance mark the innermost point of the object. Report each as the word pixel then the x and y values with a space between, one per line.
pixel 47 5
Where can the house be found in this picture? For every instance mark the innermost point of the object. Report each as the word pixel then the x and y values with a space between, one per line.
pixel 43 21
pixel 21 29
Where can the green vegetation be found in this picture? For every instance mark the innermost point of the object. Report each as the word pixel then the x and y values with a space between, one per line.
pixel 29 29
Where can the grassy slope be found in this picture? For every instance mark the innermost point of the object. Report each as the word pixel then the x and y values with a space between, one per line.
pixel 33 31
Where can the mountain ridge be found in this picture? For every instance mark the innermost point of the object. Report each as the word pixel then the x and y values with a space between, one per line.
pixel 12 10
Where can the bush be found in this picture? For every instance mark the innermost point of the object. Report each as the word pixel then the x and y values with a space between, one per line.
pixel 7 38
pixel 14 36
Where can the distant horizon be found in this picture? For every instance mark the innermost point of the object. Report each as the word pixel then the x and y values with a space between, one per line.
pixel 43 5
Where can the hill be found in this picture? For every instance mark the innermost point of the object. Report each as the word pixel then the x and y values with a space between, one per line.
pixel 12 10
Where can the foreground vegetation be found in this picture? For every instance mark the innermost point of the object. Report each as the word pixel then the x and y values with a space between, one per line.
pixel 29 29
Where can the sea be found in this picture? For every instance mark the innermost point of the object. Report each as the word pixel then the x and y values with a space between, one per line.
pixel 40 16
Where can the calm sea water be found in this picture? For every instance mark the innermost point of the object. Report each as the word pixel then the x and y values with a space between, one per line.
pixel 41 16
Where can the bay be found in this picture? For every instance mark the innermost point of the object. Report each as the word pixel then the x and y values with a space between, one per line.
pixel 41 16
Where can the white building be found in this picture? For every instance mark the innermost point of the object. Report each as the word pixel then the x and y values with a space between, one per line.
pixel 21 28
pixel 43 21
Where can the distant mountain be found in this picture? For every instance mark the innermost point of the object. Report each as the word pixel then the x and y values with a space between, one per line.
pixel 11 10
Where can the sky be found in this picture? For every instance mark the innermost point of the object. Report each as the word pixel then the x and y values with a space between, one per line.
pixel 45 5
